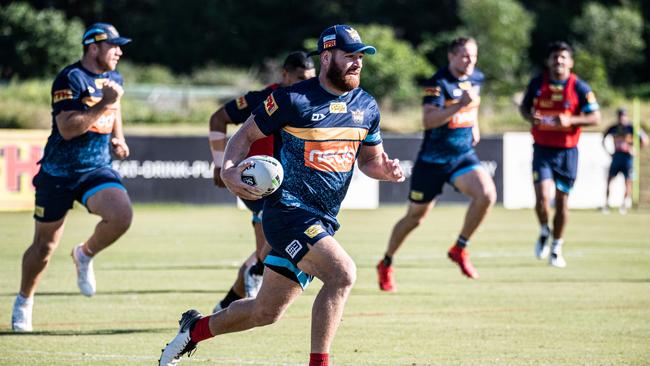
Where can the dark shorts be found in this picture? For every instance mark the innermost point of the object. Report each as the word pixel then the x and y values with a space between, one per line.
pixel 621 163
pixel 558 164
pixel 55 195
pixel 256 208
pixel 429 178
pixel 288 230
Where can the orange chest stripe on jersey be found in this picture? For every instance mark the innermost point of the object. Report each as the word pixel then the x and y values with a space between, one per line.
pixel 467 116
pixel 331 156
pixel 104 124
pixel 327 134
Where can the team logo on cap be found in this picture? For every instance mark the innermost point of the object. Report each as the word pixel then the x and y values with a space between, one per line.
pixel 353 34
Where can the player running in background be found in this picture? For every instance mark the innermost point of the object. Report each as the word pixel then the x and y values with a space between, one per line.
pixel 557 104
pixel 297 67
pixel 76 166
pixel 622 160
pixel 326 124
pixel 450 119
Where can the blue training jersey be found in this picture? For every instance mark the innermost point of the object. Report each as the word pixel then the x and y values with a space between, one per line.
pixel 446 143
pixel 321 135
pixel 77 89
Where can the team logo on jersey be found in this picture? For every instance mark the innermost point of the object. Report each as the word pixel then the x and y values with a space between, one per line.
pixel 432 92
pixel 465 85
pixel 314 230
pixel 557 97
pixel 353 34
pixel 91 89
pixel 317 117
pixel 357 116
pixel 556 87
pixel 338 107
pixel 331 156
pixel 293 248
pixel 270 106
pixel 99 83
pixel 60 95
pixel 457 93
pixel 241 102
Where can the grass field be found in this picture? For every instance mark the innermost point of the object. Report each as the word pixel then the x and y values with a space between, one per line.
pixel 521 311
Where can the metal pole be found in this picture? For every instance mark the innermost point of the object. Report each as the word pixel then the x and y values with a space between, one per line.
pixel 636 147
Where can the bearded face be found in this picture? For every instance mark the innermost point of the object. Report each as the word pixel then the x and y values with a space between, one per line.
pixel 344 70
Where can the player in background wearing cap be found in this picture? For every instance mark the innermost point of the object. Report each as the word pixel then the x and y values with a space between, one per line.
pixel 326 124
pixel 557 104
pixel 450 118
pixel 623 159
pixel 297 67
pixel 76 166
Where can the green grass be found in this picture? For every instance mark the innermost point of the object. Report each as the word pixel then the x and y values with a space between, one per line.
pixel 521 311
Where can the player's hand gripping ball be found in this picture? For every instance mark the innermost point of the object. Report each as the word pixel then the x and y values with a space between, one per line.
pixel 265 173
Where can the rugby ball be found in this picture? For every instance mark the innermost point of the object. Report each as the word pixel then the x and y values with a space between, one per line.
pixel 265 173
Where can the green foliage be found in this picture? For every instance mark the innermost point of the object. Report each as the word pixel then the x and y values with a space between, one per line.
pixel 502 30
pixel 25 104
pixel 614 34
pixel 390 75
pixel 592 69
pixel 36 43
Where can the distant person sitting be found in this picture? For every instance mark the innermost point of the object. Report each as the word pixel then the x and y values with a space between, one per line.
pixel 623 158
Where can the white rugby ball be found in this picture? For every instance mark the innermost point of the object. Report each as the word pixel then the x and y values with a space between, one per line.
pixel 265 173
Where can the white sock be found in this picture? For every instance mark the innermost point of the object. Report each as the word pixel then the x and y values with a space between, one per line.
pixel 557 245
pixel 544 230
pixel 24 301
pixel 82 255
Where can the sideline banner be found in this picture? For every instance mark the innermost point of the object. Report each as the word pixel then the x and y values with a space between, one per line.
pixel 20 150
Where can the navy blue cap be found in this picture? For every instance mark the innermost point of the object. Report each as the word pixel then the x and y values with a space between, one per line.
pixel 344 38
pixel 103 32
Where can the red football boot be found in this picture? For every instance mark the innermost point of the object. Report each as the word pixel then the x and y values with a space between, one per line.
pixel 461 257
pixel 386 280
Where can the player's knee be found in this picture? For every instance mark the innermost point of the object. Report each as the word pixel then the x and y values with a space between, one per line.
pixel 45 248
pixel 347 277
pixel 414 219
pixel 266 315
pixel 489 196
pixel 120 219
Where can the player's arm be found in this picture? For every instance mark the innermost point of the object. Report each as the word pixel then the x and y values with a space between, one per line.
pixel 476 134
pixel 235 152
pixel 589 109
pixel 434 116
pixel 374 162
pixel 526 106
pixel 219 122
pixel 72 124
pixel 118 142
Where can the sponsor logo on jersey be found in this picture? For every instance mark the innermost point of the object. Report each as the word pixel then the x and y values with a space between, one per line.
pixel 241 102
pixel 557 97
pixel 104 124
pixel 591 97
pixel 338 107
pixel 314 230
pixel 357 116
pixel 293 249
pixel 270 106
pixel 99 83
pixel 556 87
pixel 60 95
pixel 465 85
pixel 331 156
pixel 457 93
pixel 317 117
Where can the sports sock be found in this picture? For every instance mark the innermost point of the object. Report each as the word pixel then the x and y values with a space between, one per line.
pixel 23 301
pixel 388 260
pixel 82 255
pixel 544 231
pixel 257 268
pixel 557 245
pixel 201 330
pixel 319 359
pixel 231 296
pixel 462 242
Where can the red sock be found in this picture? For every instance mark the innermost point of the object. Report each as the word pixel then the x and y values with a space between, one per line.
pixel 201 330
pixel 319 359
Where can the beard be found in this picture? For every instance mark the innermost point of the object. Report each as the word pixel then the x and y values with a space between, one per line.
pixel 340 80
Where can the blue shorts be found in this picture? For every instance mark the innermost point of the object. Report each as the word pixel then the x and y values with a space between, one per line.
pixel 288 230
pixel 558 164
pixel 256 208
pixel 622 163
pixel 55 195
pixel 429 178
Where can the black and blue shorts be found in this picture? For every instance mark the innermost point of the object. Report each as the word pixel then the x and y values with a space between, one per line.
pixel 56 195
pixel 559 164
pixel 428 179
pixel 289 231
pixel 622 163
